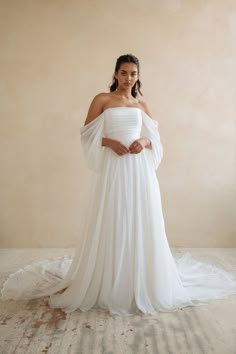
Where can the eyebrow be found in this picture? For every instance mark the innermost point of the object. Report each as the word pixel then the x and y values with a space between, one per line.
pixel 132 71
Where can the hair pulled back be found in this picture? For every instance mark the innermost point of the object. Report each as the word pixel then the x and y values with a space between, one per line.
pixel 127 58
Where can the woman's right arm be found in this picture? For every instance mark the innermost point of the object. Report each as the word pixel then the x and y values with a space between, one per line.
pixel 95 108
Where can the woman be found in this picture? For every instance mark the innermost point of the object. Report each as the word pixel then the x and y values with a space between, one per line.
pixel 124 94
pixel 124 264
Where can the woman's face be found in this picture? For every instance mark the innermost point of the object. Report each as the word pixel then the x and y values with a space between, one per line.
pixel 127 75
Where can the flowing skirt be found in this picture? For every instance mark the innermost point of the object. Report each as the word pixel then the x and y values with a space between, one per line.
pixel 123 263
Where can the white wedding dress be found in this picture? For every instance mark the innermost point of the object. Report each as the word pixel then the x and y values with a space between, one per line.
pixel 123 262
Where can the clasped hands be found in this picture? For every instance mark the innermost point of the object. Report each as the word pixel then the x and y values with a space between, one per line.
pixel 136 147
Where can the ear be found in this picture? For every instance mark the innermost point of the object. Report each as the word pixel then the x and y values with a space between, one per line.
pixel 115 74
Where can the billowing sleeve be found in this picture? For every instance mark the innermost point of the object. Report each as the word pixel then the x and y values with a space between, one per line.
pixel 150 131
pixel 91 136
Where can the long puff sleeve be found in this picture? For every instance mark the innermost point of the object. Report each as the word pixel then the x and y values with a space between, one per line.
pixel 91 140
pixel 150 131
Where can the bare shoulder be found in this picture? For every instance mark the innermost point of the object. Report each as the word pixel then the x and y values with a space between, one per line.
pixel 96 107
pixel 145 107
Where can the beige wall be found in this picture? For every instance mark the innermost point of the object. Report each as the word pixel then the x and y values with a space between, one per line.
pixel 56 55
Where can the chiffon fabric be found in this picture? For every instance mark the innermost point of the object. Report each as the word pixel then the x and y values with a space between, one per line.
pixel 122 262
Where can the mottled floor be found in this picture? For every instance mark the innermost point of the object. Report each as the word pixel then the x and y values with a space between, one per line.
pixel 32 327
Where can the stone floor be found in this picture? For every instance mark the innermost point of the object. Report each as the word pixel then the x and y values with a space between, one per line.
pixel 32 327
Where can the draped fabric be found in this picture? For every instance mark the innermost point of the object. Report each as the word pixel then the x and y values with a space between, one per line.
pixel 150 130
pixel 91 140
pixel 122 261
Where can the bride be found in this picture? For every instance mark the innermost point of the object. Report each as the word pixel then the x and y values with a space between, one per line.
pixel 123 263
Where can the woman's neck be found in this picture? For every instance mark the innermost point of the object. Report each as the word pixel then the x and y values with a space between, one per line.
pixel 126 94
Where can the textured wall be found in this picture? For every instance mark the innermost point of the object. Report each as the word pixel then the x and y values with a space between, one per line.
pixel 56 55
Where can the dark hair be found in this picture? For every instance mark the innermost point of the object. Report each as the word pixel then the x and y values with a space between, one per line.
pixel 127 58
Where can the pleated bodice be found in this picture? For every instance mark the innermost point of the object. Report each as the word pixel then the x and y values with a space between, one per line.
pixel 123 123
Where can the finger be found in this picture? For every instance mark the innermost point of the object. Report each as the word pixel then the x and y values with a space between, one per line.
pixel 137 150
pixel 122 151
pixel 124 148
pixel 119 152
pixel 133 148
